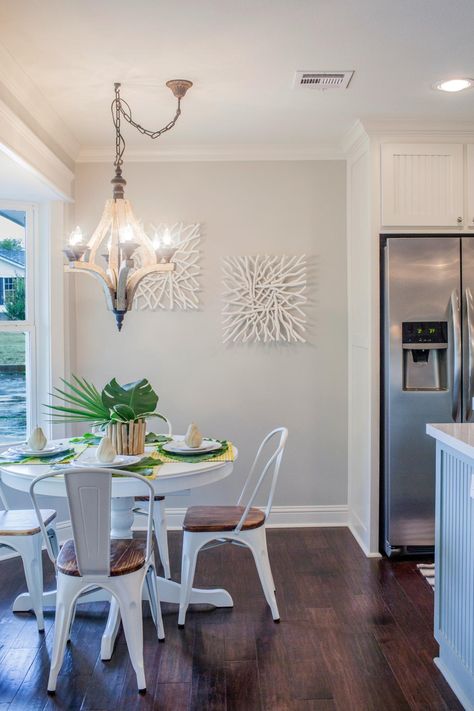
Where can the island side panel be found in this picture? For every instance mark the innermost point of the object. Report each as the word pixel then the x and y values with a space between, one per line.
pixel 454 589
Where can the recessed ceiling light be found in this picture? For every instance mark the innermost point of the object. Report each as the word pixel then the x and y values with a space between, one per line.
pixel 452 85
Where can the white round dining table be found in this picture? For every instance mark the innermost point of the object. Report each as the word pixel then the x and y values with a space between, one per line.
pixel 172 478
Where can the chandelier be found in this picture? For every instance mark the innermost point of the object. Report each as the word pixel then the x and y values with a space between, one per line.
pixel 130 254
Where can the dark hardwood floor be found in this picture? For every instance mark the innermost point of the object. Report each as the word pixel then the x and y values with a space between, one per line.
pixel 356 635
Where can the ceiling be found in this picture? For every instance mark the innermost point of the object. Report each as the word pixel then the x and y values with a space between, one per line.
pixel 241 56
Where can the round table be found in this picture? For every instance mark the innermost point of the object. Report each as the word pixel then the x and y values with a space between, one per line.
pixel 172 478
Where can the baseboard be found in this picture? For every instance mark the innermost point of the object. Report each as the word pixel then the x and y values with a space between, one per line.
pixel 280 517
pixel 357 529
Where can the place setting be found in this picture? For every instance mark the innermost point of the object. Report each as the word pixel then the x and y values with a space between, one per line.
pixel 37 450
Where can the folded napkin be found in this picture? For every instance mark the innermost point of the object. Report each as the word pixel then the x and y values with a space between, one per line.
pixel 148 466
pixel 225 454
pixel 10 457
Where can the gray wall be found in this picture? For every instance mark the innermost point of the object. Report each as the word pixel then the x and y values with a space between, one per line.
pixel 238 391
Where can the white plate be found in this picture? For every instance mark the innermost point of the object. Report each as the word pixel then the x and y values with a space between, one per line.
pixel 120 461
pixel 179 447
pixel 46 452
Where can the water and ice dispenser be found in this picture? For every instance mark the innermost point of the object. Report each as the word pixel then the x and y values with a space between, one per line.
pixel 425 355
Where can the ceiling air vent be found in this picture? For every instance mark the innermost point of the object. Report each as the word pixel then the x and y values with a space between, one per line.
pixel 323 80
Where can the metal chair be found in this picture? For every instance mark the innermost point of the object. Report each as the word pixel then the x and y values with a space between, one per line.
pixel 159 519
pixel 19 531
pixel 92 559
pixel 238 524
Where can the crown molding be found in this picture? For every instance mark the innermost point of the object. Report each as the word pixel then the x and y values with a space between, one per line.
pixel 214 153
pixel 354 139
pixel 21 144
pixel 27 94
pixel 455 130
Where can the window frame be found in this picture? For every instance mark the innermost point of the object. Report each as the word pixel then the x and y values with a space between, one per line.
pixel 29 325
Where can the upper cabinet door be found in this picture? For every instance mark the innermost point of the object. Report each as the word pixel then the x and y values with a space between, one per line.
pixel 422 185
pixel 470 186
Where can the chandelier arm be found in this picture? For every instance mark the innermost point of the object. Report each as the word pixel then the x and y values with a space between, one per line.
pixel 94 271
pixel 140 274
pixel 121 295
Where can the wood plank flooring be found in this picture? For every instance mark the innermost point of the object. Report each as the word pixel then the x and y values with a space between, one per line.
pixel 356 635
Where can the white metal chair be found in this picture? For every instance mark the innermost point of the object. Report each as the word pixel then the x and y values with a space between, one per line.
pixel 238 524
pixel 159 519
pixel 19 530
pixel 93 559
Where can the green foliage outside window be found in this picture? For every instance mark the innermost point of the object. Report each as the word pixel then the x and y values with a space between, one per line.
pixel 10 244
pixel 15 300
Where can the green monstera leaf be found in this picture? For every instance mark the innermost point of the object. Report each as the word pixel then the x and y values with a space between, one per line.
pixel 122 413
pixel 139 397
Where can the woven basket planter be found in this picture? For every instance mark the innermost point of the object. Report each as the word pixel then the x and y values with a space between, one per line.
pixel 128 437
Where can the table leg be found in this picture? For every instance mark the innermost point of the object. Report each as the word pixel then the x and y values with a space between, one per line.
pixel 23 602
pixel 121 513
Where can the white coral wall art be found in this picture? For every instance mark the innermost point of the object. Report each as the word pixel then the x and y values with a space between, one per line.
pixel 177 289
pixel 263 299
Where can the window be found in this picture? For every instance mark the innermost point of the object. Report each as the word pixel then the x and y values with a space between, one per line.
pixel 17 322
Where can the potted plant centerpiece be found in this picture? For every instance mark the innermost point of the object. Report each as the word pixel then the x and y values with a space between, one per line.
pixel 120 411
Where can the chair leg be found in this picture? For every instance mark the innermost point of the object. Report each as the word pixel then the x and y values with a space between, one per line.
pixel 191 547
pixel 161 531
pixel 30 551
pixel 111 629
pixel 73 616
pixel 258 545
pixel 154 600
pixel 67 590
pixel 129 595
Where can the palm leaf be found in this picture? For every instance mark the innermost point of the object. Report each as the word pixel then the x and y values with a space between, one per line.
pixel 87 404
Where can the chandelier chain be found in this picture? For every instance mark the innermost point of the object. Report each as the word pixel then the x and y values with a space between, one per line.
pixel 121 108
pixel 127 114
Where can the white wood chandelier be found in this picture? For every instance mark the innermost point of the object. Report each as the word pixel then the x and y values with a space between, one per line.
pixel 119 253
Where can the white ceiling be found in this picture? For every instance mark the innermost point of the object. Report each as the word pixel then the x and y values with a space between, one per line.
pixel 241 55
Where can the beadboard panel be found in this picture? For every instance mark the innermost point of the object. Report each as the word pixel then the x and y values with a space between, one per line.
pixel 422 185
pixel 454 592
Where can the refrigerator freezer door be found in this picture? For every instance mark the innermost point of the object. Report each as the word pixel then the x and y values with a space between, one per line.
pixel 467 276
pixel 422 285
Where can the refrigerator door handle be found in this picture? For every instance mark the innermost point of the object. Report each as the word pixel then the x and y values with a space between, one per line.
pixel 456 355
pixel 469 336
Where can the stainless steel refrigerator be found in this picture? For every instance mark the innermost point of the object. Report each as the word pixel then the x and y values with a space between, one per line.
pixel 427 374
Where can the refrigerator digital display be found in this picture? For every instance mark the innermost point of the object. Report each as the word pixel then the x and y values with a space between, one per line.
pixel 425 332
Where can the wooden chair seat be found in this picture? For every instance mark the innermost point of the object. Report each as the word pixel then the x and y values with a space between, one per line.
pixel 221 518
pixel 23 522
pixel 145 498
pixel 126 556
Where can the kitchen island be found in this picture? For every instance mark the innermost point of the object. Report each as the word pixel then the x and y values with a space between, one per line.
pixel 454 556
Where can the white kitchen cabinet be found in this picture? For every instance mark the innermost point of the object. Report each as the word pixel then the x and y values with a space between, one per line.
pixel 470 186
pixel 422 185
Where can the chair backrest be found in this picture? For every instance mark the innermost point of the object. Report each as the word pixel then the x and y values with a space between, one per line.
pixel 168 423
pixel 272 466
pixel 89 494
pixel 3 498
